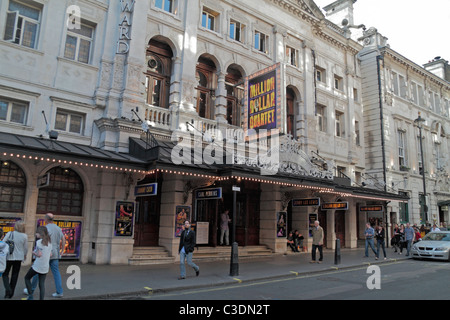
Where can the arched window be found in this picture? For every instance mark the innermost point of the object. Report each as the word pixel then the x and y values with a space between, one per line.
pixel 63 195
pixel 159 68
pixel 13 185
pixel 207 82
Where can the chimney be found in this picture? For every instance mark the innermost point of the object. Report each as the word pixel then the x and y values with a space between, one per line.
pixel 439 67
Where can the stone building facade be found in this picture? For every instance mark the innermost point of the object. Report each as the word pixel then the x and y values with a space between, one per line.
pixel 96 95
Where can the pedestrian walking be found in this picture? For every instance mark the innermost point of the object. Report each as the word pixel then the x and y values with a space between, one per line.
pixel 186 249
pixel 4 251
pixel 401 237
pixel 14 260
pixel 41 264
pixel 317 235
pixel 380 236
pixel 58 241
pixel 224 229
pixel 410 235
pixel 395 240
pixel 369 233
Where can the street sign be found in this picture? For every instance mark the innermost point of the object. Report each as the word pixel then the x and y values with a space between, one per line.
pixel 306 202
pixel 335 205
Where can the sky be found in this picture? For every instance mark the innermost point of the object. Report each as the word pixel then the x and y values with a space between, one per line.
pixel 419 30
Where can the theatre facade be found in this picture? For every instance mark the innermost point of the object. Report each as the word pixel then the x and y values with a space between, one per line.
pixel 142 114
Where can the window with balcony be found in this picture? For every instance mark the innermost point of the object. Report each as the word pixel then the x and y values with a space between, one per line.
pixel 158 74
pixel 22 24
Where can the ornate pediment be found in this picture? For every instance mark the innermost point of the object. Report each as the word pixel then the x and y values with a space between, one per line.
pixel 306 9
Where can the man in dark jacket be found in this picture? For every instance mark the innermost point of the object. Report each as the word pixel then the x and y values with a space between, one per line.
pixel 186 249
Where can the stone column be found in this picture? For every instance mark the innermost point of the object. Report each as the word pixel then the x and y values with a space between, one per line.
pixel 270 204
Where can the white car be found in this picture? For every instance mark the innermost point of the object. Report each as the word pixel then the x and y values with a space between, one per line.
pixel 435 245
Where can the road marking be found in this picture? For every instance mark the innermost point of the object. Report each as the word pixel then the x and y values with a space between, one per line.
pixel 296 273
pixel 252 284
pixel 150 290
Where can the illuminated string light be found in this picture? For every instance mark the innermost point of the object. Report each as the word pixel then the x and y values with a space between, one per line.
pixel 202 175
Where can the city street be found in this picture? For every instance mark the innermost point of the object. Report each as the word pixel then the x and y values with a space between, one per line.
pixel 401 280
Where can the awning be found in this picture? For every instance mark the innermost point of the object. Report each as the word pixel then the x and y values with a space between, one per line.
pixel 158 154
pixel 54 151
pixel 443 203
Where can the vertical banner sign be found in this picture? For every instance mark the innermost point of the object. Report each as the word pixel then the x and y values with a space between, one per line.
pixel 123 225
pixel 123 44
pixel 72 233
pixel 263 99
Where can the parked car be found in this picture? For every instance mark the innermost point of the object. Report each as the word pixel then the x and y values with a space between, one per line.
pixel 435 245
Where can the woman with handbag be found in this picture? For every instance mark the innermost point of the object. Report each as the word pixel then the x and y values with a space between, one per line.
pixel 14 259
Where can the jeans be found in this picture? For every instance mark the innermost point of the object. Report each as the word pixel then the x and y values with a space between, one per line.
pixel 225 233
pixel 408 246
pixel 380 243
pixel 369 242
pixel 313 252
pixel 186 256
pixel 54 266
pixel 38 276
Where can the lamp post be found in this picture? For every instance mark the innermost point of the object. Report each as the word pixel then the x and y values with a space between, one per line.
pixel 419 122
pixel 234 263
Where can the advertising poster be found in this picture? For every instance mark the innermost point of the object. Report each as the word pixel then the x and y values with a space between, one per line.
pixel 7 224
pixel 263 98
pixel 123 226
pixel 281 224
pixel 182 214
pixel 72 233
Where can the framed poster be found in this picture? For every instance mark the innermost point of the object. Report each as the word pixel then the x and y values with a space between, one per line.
pixel 281 224
pixel 182 213
pixel 202 232
pixel 72 233
pixel 123 225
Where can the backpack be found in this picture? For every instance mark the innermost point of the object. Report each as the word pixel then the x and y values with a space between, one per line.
pixel 10 243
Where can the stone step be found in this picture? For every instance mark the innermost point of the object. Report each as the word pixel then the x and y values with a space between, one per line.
pixel 158 255
pixel 150 255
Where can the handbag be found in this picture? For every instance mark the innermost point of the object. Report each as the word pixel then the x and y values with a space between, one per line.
pixel 10 243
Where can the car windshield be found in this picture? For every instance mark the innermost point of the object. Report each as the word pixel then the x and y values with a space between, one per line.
pixel 437 236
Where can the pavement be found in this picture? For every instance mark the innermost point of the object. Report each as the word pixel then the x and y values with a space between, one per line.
pixel 109 282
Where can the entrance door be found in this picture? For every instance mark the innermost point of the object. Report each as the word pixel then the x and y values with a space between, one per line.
pixel 339 220
pixel 207 212
pixel 146 225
